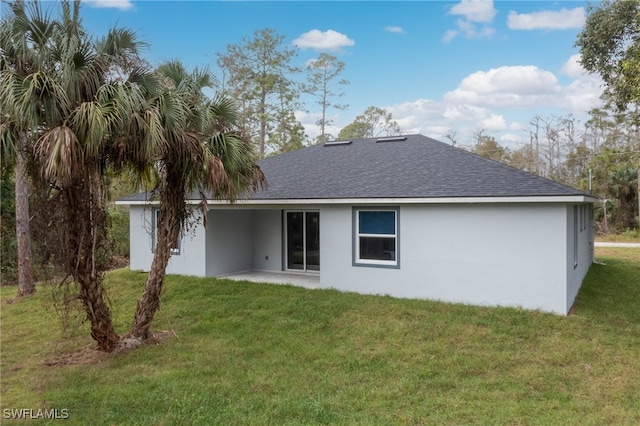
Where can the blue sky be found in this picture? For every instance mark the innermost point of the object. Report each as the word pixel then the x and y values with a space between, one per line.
pixel 436 65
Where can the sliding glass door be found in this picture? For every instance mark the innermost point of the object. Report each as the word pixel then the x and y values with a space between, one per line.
pixel 302 240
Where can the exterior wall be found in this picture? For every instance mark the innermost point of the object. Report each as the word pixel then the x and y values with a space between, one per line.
pixel 229 240
pixel 510 255
pixel 584 230
pixel 267 240
pixel 140 254
pixel 191 259
pixel 482 254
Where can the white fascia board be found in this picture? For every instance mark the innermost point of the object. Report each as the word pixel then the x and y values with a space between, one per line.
pixel 394 201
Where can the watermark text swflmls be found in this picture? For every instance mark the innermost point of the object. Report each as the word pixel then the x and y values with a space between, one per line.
pixel 32 414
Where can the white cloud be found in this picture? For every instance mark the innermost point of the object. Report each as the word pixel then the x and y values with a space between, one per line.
pixel 394 29
pixel 484 100
pixel 573 68
pixel 582 94
pixel 468 30
pixel 318 40
pixel 435 118
pixel 475 10
pixel 508 86
pixel 449 35
pixel 510 139
pixel 476 15
pixel 547 19
pixel 117 4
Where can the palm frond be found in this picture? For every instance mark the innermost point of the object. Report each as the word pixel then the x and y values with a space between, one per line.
pixel 120 42
pixel 173 74
pixel 60 155
pixel 9 141
pixel 202 78
pixel 91 123
pixel 224 111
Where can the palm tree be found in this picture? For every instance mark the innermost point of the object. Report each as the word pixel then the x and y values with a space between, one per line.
pixel 77 106
pixel 199 152
pixel 24 36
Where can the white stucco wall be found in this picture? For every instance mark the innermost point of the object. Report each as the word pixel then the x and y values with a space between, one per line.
pixel 229 239
pixel 585 232
pixel 191 259
pixel 140 254
pixel 267 240
pixel 483 254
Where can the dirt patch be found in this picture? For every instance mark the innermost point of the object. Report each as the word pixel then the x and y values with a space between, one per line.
pixel 84 356
pixel 89 355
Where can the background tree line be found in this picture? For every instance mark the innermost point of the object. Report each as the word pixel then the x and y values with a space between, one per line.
pixel 601 157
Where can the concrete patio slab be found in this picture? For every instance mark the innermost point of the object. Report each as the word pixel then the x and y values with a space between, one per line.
pixel 307 280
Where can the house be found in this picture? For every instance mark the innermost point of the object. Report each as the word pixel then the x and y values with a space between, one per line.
pixel 404 216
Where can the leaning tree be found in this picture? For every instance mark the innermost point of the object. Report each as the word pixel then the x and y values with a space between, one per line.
pixel 200 153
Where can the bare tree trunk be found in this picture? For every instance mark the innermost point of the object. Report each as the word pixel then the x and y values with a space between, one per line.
pixel 263 125
pixel 26 280
pixel 168 231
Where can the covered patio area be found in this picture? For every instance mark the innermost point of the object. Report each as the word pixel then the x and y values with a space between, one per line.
pixel 306 280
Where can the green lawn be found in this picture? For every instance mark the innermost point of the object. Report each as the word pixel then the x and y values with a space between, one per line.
pixel 251 354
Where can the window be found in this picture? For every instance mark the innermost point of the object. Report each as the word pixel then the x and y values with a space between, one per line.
pixel 376 237
pixel 175 248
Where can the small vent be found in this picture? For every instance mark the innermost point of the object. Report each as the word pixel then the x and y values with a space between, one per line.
pixel 337 143
pixel 392 139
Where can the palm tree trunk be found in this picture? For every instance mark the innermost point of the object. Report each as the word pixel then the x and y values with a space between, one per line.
pixel 86 233
pixel 26 280
pixel 168 231
pixel 98 313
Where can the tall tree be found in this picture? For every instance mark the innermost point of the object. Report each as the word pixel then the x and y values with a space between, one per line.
pixel 323 84
pixel 259 76
pixel 610 46
pixel 623 186
pixel 24 37
pixel 200 152
pixel 372 123
pixel 77 110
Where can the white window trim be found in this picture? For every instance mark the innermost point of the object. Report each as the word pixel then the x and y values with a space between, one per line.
pixel 357 261
pixel 175 251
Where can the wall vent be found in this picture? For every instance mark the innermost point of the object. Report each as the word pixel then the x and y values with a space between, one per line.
pixel 337 143
pixel 392 139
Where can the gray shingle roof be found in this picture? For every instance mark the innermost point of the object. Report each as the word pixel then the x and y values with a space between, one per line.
pixel 417 167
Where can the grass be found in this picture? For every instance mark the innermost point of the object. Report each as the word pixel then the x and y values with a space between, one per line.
pixel 629 236
pixel 243 353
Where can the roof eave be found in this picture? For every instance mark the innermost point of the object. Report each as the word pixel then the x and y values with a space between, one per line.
pixel 577 198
